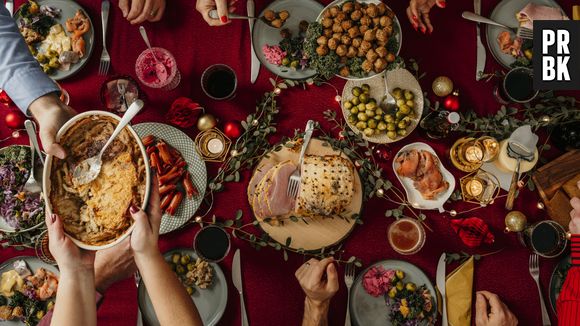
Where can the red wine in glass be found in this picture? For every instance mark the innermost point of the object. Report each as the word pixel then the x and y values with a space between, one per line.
pixel 219 82
pixel 212 243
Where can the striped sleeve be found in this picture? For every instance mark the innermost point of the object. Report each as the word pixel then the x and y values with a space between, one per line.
pixel 568 304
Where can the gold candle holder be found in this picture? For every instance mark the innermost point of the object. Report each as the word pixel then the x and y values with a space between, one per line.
pixel 213 145
pixel 479 187
pixel 490 148
pixel 466 154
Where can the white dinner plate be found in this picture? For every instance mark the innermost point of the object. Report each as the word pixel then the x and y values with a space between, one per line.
pixel 211 303
pixel 195 165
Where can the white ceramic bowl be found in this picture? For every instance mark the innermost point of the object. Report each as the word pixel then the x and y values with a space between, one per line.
pixel 47 183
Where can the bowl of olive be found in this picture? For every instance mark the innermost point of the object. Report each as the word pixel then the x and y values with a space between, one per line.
pixel 385 108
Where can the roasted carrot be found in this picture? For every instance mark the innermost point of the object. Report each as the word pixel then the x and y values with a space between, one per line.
pixel 148 140
pixel 174 203
pixel 166 200
pixel 190 189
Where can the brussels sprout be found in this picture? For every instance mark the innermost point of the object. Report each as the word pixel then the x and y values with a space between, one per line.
pixel 356 91
pixel 370 113
pixel 372 124
pixel 391 126
pixel 361 107
pixel 368 132
pixel 410 103
pixel 401 125
pixel 400 274
pixel 399 115
pixel 400 102
pixel 404 109
pixel 400 286
pixel 175 258
pixel 392 134
pixel 348 105
pixel 392 292
pixel 185 259
pixel 180 270
pixel 354 110
pixel 355 101
pixel 389 118
pixel 352 118
pixel 294 64
pixel 365 87
pixel 363 98
pixel 379 111
pixel 409 95
pixel 362 116
pixel 361 125
pixel 402 132
pixel 190 266
pixel 189 290
pixel 371 105
pixel 378 117
pixel 285 62
pixel 397 93
pixel 411 287
pixel 382 126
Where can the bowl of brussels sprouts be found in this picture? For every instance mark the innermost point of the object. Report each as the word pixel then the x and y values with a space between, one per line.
pixel 385 108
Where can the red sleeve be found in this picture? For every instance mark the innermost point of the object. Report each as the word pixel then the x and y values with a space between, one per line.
pixel 47 319
pixel 568 305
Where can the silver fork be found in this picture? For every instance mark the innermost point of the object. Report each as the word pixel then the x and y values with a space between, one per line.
pixel 32 186
pixel 105 58
pixel 137 278
pixel 522 32
pixel 348 280
pixel 535 273
pixel 294 182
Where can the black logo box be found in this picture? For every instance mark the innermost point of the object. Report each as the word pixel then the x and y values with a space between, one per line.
pixel 573 28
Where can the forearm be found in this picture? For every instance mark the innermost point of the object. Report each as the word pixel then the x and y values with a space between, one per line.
pixel 172 304
pixel 315 314
pixel 568 304
pixel 75 299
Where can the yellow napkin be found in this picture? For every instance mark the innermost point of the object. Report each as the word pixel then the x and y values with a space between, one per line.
pixel 576 12
pixel 459 293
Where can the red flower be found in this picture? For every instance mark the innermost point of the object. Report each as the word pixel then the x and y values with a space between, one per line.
pixel 183 112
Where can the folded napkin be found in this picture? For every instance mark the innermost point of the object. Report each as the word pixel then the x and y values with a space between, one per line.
pixel 459 293
pixel 532 12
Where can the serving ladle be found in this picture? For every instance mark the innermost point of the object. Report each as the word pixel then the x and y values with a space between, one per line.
pixel 89 169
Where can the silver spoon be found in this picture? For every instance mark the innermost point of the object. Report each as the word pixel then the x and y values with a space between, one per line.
pixel 160 67
pixel 89 169
pixel 32 186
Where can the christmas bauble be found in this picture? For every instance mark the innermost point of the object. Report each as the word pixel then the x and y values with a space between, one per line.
pixel 4 98
pixel 233 129
pixel 515 221
pixel 15 120
pixel 206 121
pixel 451 102
pixel 442 86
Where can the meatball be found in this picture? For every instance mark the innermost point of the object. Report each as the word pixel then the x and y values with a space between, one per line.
pixel 346 24
pixel 380 65
pixel 269 15
pixel 356 15
pixel 327 22
pixel 357 6
pixel 336 28
pixel 353 32
pixel 360 53
pixel 366 46
pixel 372 55
pixel 332 44
pixel 351 53
pixel 340 17
pixel 337 36
pixel 345 39
pixel 382 35
pixel 334 11
pixel 322 50
pixel 382 51
pixel 385 21
pixel 344 72
pixel 389 30
pixel 363 28
pixel 341 50
pixel 277 23
pixel 367 66
pixel 372 10
pixel 370 35
pixel 284 14
pixel 382 8
pixel 391 57
pixel 348 7
pixel 366 21
pixel 356 42
pixel 326 14
pixel 327 32
pixel 376 21
pixel 322 40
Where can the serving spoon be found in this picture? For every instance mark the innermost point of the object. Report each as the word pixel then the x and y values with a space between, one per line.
pixel 89 169
pixel 214 14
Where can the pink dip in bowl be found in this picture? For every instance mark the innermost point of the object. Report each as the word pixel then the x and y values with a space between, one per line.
pixel 151 74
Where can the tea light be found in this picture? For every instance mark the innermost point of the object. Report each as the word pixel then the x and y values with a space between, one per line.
pixel 215 146
pixel 491 147
pixel 474 187
pixel 473 154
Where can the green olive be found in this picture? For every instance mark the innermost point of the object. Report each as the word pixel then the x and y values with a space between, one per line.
pixel 382 126
pixel 354 110
pixel 369 132
pixel 400 274
pixel 372 124
pixel 409 95
pixel 363 98
pixel 185 259
pixel 391 126
pixel 400 102
pixel 356 91
pixel 371 106
pixel 410 103
pixel 402 132
pixel 362 116
pixel 180 270
pixel 355 101
pixel 370 113
pixel 397 93
pixel 411 287
pixel 389 118
pixel 348 105
pixel 365 87
pixel 189 290
pixel 401 125
pixel 361 125
pixel 175 258
pixel 361 107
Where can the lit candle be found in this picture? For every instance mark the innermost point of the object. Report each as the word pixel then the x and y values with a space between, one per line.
pixel 474 187
pixel 215 146
pixel 491 148
pixel 473 154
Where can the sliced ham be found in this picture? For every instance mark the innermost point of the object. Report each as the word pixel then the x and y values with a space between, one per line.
pixel 256 178
pixel 533 11
pixel 276 197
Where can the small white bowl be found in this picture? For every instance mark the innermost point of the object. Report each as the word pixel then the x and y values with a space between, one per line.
pixel 47 183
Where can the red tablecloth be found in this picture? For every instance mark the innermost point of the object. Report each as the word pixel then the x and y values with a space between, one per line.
pixel 273 297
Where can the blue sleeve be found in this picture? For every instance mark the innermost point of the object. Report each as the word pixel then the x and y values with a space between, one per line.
pixel 20 74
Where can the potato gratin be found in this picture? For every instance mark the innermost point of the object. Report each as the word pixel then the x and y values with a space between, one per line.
pixel 97 213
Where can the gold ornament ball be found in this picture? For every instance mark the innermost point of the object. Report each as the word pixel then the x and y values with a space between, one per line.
pixel 515 221
pixel 206 121
pixel 442 86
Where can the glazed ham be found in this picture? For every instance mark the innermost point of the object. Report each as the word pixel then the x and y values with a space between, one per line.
pixel 423 168
pixel 267 190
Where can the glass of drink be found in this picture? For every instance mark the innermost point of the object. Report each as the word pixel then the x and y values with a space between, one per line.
pixel 212 243
pixel 219 82
pixel 517 86
pixel 545 238
pixel 157 68
pixel 406 236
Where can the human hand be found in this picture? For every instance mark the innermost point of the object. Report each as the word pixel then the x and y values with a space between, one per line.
pixel 68 256
pixel 497 314
pixel 146 233
pixel 51 114
pixel 222 6
pixel 418 13
pixel 114 264
pixel 574 225
pixel 138 11
pixel 311 278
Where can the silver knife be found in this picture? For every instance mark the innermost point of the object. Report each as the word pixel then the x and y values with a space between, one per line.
pixel 10 6
pixel 441 286
pixel 237 280
pixel 480 48
pixel 251 7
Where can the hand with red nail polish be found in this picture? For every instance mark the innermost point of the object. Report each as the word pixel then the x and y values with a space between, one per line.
pixel 223 7
pixel 146 232
pixel 418 14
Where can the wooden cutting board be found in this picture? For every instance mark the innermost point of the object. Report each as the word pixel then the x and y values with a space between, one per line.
pixel 313 234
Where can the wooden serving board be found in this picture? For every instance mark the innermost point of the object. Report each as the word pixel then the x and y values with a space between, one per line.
pixel 319 232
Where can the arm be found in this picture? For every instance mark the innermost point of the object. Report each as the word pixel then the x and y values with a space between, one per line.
pixel 568 304
pixel 172 304
pixel 319 280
